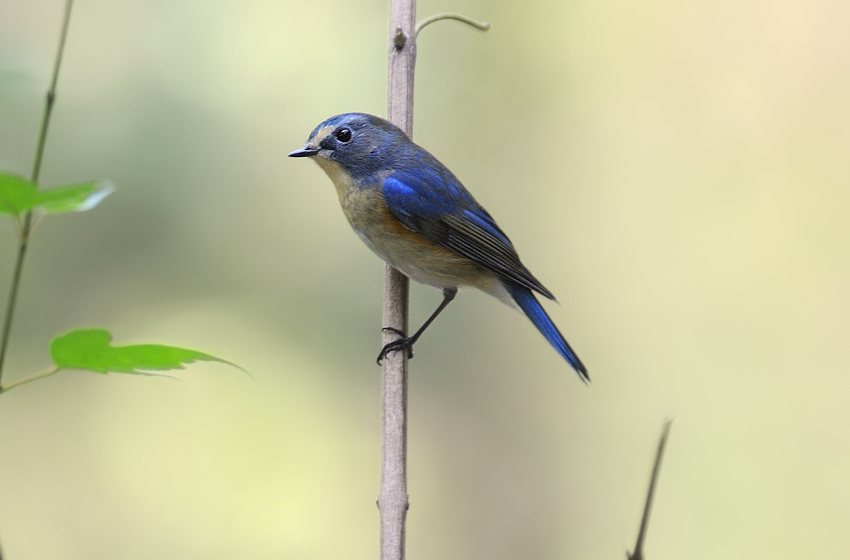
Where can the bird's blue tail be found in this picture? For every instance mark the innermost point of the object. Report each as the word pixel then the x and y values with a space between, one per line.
pixel 529 304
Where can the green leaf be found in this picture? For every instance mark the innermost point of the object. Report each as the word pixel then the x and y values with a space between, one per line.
pixel 90 349
pixel 73 198
pixel 18 196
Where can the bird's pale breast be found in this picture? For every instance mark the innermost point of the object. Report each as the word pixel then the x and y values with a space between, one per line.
pixel 415 256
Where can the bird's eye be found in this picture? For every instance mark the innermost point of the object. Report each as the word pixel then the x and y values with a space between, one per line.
pixel 343 134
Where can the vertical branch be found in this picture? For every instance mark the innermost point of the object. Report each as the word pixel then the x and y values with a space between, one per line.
pixel 392 500
pixel 26 227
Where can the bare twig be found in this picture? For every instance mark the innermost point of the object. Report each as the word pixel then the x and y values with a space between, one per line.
pixel 644 523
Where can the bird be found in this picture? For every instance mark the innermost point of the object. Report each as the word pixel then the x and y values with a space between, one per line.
pixel 416 215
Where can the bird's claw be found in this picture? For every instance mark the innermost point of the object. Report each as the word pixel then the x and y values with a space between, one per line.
pixel 396 345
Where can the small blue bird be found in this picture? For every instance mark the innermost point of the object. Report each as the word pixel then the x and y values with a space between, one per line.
pixel 414 213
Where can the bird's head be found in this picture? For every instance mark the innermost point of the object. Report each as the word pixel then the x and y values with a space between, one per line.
pixel 359 143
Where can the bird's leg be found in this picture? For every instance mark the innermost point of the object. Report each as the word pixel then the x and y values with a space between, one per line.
pixel 408 342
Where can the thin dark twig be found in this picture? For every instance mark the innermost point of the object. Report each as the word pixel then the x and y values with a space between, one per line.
pixel 36 170
pixel 644 522
pixel 51 94
pixel 13 296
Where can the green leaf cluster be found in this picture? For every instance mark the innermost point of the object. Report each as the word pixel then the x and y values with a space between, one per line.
pixel 89 349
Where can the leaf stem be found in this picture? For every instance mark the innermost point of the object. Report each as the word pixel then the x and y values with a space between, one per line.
pixel 30 378
pixel 26 228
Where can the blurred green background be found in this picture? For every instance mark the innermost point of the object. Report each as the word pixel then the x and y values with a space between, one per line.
pixel 675 171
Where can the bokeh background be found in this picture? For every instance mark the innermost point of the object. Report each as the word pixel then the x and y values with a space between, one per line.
pixel 675 171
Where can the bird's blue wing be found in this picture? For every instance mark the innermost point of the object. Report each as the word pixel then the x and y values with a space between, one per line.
pixel 432 202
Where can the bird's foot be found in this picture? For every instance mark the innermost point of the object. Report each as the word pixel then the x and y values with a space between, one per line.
pixel 405 342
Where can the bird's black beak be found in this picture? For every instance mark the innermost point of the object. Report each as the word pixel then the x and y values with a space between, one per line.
pixel 306 151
